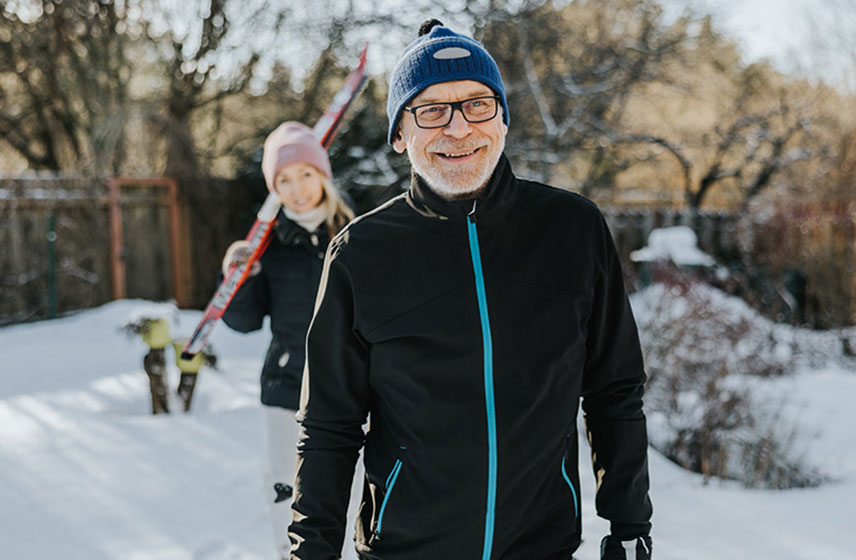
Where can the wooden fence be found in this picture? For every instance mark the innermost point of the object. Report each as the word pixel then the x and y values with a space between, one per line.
pixel 716 231
pixel 73 242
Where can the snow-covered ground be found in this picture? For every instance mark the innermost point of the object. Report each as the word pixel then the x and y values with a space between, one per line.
pixel 87 473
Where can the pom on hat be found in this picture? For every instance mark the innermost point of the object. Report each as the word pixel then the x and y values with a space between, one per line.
pixel 439 55
pixel 292 142
pixel 427 26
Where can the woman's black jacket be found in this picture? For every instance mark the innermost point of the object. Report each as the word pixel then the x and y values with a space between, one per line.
pixel 467 333
pixel 284 289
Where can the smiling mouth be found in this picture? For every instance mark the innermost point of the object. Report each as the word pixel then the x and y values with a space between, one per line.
pixel 457 156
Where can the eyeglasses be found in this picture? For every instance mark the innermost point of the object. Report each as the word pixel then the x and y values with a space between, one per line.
pixel 438 115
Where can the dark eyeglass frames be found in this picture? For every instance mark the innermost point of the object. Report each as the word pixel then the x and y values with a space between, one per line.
pixel 438 115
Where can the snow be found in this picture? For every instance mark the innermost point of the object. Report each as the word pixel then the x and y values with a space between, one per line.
pixel 778 342
pixel 677 244
pixel 88 473
pixel 150 311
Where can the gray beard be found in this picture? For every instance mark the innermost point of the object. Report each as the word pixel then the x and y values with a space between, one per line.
pixel 455 191
pixel 449 192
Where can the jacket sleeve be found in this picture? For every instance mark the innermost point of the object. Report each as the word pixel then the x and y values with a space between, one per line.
pixel 333 409
pixel 250 304
pixel 613 384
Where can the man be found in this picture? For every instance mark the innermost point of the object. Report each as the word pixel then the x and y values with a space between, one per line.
pixel 465 319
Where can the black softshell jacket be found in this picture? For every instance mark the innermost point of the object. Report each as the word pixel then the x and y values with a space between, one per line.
pixel 284 289
pixel 467 332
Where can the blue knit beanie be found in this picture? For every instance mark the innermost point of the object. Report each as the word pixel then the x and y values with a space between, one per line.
pixel 440 55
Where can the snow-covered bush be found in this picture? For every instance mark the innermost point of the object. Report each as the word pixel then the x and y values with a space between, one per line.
pixel 141 318
pixel 701 347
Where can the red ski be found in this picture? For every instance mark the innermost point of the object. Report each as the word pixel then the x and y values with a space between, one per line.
pixel 260 234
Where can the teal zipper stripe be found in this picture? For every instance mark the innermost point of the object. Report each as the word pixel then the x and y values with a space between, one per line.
pixel 571 486
pixel 487 343
pixel 390 483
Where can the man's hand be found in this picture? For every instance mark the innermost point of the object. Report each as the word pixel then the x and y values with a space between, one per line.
pixel 238 253
pixel 613 548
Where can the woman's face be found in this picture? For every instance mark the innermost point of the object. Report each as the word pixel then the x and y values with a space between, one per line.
pixel 298 186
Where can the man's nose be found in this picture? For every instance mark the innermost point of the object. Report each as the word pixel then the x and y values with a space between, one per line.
pixel 458 127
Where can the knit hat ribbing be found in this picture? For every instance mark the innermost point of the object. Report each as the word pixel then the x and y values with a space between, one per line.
pixel 292 142
pixel 441 55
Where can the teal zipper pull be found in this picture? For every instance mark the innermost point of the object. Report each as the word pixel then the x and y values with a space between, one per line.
pixel 390 484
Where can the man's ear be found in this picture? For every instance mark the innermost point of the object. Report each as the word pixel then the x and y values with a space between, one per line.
pixel 399 142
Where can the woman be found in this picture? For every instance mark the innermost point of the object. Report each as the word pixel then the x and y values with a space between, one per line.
pixel 283 284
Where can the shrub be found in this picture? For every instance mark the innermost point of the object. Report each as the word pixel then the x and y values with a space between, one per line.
pixel 701 350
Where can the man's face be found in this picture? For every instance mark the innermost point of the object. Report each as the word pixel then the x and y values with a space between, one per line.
pixel 458 159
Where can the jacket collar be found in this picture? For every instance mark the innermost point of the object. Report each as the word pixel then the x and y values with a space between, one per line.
pixel 496 199
pixel 287 231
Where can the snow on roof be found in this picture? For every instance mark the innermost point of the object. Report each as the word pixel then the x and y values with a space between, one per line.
pixel 677 244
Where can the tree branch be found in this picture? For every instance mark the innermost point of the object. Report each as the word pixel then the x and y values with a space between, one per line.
pixel 534 84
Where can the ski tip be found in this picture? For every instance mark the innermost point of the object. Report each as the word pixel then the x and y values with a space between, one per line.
pixel 363 54
pixel 187 355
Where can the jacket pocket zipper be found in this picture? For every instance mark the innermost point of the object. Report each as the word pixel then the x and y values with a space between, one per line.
pixel 390 484
pixel 571 486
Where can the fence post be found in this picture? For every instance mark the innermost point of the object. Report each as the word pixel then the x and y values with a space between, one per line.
pixel 117 241
pixel 16 304
pixel 51 237
pixel 175 244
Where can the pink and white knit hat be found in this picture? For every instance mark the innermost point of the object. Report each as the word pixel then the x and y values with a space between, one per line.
pixel 292 142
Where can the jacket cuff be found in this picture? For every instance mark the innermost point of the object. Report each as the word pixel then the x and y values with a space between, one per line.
pixel 628 531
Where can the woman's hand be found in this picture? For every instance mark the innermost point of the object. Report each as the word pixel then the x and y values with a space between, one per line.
pixel 237 254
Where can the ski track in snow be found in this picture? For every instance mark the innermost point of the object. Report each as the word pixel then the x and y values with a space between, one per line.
pixel 86 472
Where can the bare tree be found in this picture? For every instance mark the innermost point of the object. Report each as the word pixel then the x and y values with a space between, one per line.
pixel 577 76
pixel 569 71
pixel 749 151
pixel 64 75
pixel 192 74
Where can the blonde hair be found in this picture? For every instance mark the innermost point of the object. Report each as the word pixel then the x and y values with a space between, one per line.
pixel 337 213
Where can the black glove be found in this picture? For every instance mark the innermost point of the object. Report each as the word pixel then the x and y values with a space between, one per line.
pixel 283 492
pixel 613 548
